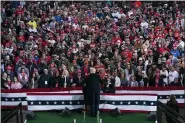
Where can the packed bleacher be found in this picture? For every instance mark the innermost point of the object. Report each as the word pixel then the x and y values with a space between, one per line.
pixel 54 44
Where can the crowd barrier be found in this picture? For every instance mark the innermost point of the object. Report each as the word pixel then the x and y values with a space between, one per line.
pixel 10 98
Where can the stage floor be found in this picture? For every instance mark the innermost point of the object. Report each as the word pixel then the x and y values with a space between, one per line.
pixel 54 117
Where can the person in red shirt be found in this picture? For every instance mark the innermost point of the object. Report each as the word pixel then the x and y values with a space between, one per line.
pixel 19 11
pixel 117 40
pixel 21 37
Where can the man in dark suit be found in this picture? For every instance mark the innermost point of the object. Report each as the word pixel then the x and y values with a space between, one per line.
pixel 44 79
pixel 93 91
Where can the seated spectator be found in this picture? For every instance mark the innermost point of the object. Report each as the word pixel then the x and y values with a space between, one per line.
pixel 16 84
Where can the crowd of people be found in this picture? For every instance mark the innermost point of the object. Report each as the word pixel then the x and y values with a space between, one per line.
pixel 54 44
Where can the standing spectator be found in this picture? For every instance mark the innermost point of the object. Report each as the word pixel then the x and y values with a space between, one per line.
pixel 23 78
pixel 163 76
pixel 8 83
pixel 19 70
pixel 182 73
pixel 40 33
pixel 33 82
pixel 175 52
pixel 117 79
pixel 65 79
pixel 123 79
pixel 41 66
pixel 31 65
pixel 85 70
pixel 16 84
pixel 4 80
pixel 176 82
pixel 77 78
pixel 129 72
pixel 32 23
pixel 56 81
pixel 145 79
pixel 152 75
pixel 133 82
pixel 10 72
pixel 44 79
pixel 172 75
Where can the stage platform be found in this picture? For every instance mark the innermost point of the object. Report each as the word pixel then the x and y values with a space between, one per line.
pixel 54 117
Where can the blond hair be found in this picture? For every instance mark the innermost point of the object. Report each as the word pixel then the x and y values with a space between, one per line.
pixel 65 73
pixel 92 70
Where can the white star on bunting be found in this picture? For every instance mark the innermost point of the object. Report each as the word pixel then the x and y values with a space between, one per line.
pixel 63 102
pixel 113 103
pixel 19 99
pixel 39 103
pixel 70 102
pixel 152 103
pixel 160 97
pixel 12 99
pixel 6 99
pixel 55 102
pixel 181 96
pixel 144 103
pixel 31 103
pixel 121 103
pixel 129 103
pixel 47 102
pixel 136 102
pixel 167 97
pixel 78 102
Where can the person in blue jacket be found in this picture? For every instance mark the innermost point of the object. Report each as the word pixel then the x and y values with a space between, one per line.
pixel 175 52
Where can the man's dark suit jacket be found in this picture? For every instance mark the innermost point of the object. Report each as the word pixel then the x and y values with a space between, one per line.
pixel 92 88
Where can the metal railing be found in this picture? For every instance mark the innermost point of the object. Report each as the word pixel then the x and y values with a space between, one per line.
pixel 15 112
pixel 168 111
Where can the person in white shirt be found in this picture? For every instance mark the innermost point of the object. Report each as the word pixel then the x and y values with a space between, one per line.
pixel 164 76
pixel 117 80
pixel 144 24
pixel 172 74
pixel 181 44
pixel 31 29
